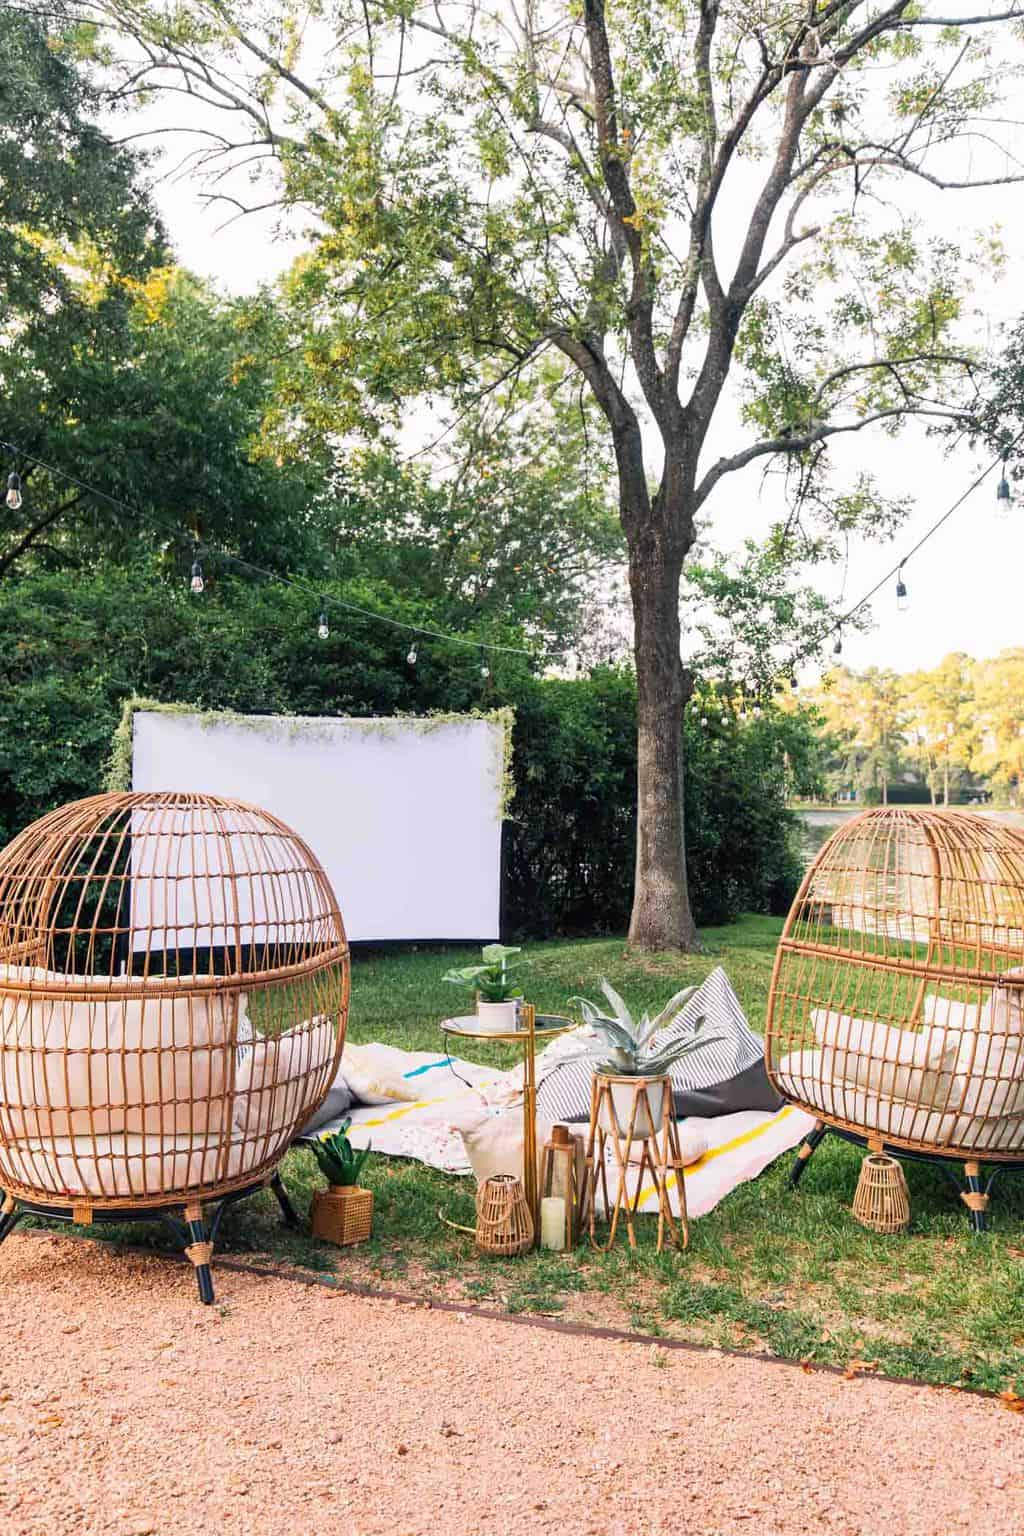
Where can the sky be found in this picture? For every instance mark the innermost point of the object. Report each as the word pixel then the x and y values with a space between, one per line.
pixel 963 586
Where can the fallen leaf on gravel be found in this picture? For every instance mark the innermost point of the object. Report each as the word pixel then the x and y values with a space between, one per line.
pixel 1012 1401
pixel 51 1421
pixel 859 1367
pixel 403 1450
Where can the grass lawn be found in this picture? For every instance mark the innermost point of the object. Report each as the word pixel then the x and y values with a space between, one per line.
pixel 769 1270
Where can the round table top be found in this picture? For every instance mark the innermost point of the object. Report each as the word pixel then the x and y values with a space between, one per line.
pixel 547 1025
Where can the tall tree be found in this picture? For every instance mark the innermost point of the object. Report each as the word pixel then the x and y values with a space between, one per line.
pixel 663 195
pixel 940 703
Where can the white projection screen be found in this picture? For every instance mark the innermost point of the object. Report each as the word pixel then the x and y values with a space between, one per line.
pixel 404 814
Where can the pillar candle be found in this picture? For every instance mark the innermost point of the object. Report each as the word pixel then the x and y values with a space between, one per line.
pixel 552 1223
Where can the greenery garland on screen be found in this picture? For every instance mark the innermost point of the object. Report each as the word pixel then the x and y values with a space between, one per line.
pixel 119 763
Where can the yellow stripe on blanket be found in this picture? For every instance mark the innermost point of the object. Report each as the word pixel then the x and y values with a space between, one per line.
pixel 407 1109
pixel 713 1152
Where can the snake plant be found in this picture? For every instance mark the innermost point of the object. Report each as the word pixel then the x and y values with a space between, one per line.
pixel 630 1049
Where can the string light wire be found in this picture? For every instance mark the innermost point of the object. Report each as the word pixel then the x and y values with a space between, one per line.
pixel 297 584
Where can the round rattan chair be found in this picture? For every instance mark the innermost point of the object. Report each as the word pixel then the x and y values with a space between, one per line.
pixel 174 983
pixel 896 1014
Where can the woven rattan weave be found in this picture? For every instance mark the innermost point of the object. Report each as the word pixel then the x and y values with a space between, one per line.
pixel 173 994
pixel 897 1003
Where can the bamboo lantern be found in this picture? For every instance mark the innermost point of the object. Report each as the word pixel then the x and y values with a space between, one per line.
pixel 173 993
pixel 882 1200
pixel 560 1190
pixel 504 1225
pixel 896 1013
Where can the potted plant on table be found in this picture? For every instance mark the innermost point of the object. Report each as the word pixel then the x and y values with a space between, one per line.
pixel 342 1213
pixel 491 981
pixel 629 1058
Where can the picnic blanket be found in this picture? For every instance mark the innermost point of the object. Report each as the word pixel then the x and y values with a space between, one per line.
pixel 452 1090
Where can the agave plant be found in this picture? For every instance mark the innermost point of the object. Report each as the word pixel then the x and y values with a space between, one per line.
pixel 339 1161
pixel 628 1048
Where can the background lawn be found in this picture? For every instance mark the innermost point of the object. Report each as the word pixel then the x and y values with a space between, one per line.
pixel 768 1270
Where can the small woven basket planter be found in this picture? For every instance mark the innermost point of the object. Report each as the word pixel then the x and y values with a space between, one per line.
pixel 504 1224
pixel 342 1214
pixel 882 1200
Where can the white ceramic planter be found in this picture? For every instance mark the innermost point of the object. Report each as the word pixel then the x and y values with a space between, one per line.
pixel 496 1018
pixel 623 1090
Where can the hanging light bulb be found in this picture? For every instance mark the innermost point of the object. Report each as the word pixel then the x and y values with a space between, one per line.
pixel 323 629
pixel 485 670
pixel 196 583
pixel 837 649
pixel 757 711
pixel 794 682
pixel 1004 496
pixel 411 658
pixel 704 720
pixel 13 497
pixel 902 600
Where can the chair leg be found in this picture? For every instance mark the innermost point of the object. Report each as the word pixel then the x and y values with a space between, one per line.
pixel 975 1198
pixel 805 1151
pixel 9 1217
pixel 200 1251
pixel 288 1211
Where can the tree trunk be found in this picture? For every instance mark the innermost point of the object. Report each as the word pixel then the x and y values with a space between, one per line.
pixel 661 917
pixel 945 782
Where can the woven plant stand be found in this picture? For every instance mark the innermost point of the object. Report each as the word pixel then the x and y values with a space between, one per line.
pixel 646 1124
pixel 882 1200
pixel 504 1222
pixel 342 1214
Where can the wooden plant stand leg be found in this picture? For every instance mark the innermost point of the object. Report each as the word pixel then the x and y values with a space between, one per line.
pixel 805 1151
pixel 288 1210
pixel 200 1251
pixel 975 1198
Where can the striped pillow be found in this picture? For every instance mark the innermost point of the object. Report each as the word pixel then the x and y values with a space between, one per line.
pixel 564 1092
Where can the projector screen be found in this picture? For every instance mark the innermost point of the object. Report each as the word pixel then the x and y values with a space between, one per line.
pixel 404 814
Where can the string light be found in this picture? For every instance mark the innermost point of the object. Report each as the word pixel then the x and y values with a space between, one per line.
pixel 196 583
pixel 902 600
pixel 13 497
pixel 411 658
pixel 323 629
pixel 837 649
pixel 1004 495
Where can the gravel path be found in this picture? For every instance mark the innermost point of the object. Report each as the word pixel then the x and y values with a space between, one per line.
pixel 127 1408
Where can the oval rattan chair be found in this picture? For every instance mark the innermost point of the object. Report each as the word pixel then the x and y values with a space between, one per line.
pixel 174 983
pixel 896 1014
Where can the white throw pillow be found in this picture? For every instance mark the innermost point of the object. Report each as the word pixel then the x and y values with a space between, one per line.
pixel 916 1066
pixel 276 1078
pixel 1003 1014
pixel 375 1073
pixel 495 1144
pixel 149 1064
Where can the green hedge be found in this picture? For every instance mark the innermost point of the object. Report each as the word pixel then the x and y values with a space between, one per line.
pixel 72 649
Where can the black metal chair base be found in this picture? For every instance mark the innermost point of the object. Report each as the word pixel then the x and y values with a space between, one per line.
pixel 196 1234
pixel 973 1189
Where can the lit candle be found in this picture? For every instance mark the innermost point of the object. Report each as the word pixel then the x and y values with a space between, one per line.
pixel 552 1223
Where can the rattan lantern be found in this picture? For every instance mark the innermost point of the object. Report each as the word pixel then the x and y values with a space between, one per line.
pixel 174 983
pixel 896 1014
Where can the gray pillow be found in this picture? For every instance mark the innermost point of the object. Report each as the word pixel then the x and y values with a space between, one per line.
pixel 337 1103
pixel 749 1089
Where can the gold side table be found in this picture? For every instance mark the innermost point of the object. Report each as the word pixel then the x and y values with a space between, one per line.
pixel 630 1112
pixel 533 1027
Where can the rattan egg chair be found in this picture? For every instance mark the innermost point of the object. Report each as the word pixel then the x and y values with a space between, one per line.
pixel 174 983
pixel 896 1014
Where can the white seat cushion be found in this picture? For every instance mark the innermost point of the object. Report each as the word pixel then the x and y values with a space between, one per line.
pixel 913 1065
pixel 277 1079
